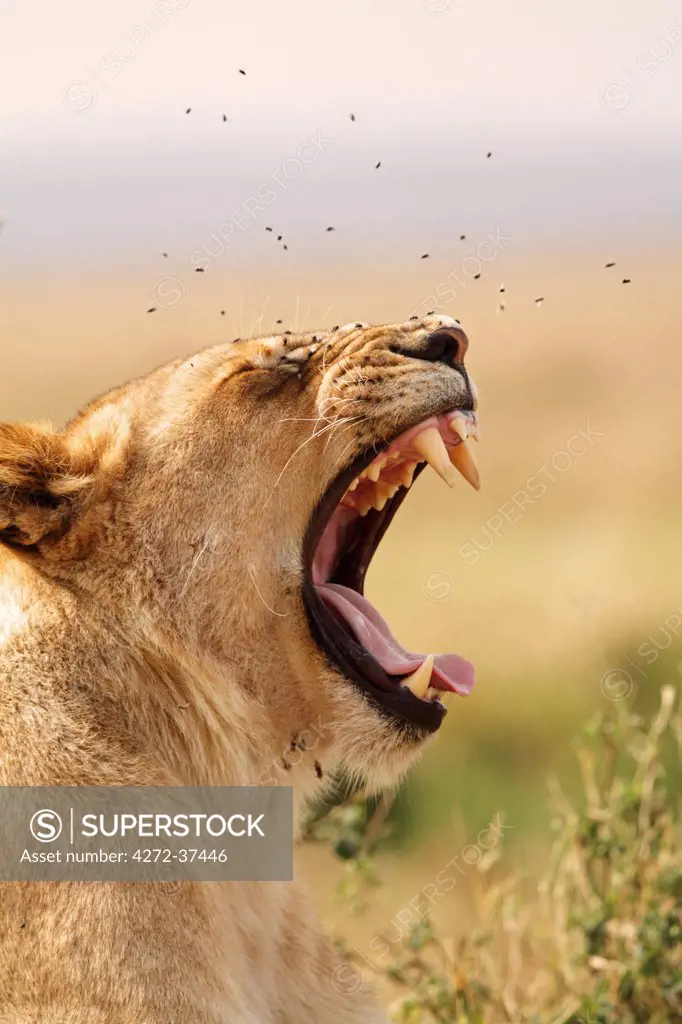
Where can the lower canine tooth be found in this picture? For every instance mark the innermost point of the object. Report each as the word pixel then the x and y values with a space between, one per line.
pixel 419 681
pixel 430 444
pixel 463 460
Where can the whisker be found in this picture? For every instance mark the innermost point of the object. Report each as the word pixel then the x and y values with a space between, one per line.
pixel 241 313
pixel 299 419
pixel 193 567
pixel 258 323
pixel 282 615
pixel 337 406
pixel 313 436
pixel 354 423
pixel 330 401
pixel 316 419
pixel 349 445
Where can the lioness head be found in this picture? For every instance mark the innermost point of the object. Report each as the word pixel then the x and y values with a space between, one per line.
pixel 223 510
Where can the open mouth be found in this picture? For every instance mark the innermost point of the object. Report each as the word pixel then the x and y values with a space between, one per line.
pixel 343 535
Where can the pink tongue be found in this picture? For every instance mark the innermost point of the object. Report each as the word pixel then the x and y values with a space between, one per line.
pixel 450 672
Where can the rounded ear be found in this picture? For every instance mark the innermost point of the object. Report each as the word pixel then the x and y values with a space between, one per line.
pixel 40 480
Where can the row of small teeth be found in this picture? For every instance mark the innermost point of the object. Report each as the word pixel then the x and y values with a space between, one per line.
pixel 377 495
pixel 447 462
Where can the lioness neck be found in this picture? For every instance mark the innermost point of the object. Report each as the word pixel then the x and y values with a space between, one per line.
pixel 136 708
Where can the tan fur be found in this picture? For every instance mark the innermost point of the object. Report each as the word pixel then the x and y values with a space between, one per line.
pixel 152 630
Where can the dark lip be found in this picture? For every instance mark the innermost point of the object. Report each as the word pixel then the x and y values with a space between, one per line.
pixel 339 647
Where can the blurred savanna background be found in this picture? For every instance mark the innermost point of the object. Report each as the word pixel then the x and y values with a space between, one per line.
pixel 145 148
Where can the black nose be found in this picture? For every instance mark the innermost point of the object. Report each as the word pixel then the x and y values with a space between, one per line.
pixel 446 345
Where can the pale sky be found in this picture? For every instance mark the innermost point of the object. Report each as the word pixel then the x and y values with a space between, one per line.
pixel 580 104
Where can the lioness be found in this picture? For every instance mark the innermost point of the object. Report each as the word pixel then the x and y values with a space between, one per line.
pixel 181 602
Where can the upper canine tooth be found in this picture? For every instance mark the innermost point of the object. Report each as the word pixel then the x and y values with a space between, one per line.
pixel 419 681
pixel 430 444
pixel 374 472
pixel 459 426
pixel 463 460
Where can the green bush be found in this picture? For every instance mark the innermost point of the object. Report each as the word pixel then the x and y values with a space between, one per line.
pixel 599 943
